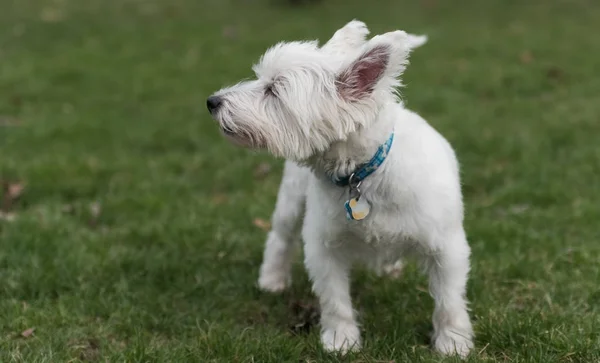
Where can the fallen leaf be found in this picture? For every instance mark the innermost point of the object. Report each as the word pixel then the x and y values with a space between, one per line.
pixel 262 170
pixel 11 191
pixel 526 57
pixel 27 332
pixel 262 224
pixel 15 190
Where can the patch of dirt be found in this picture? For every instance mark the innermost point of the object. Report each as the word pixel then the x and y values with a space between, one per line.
pixel 262 224
pixel 87 350
pixel 304 315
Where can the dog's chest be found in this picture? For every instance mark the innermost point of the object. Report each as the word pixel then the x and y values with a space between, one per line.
pixel 379 227
pixel 385 223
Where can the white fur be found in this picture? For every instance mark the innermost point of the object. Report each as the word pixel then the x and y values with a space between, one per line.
pixel 415 195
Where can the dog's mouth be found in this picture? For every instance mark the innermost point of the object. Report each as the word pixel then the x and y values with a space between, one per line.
pixel 242 138
pixel 239 138
pixel 227 131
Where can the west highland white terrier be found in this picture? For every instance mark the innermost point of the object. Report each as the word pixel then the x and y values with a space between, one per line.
pixel 365 180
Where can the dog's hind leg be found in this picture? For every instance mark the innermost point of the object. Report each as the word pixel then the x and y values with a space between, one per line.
pixel 393 270
pixel 275 271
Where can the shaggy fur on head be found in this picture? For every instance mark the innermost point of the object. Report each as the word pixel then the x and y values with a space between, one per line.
pixel 304 97
pixel 327 110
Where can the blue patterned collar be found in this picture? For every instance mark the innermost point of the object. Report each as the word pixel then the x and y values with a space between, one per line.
pixel 368 168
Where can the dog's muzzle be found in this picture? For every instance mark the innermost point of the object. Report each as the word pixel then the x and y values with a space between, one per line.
pixel 213 103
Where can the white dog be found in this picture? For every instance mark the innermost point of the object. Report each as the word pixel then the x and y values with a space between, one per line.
pixel 366 179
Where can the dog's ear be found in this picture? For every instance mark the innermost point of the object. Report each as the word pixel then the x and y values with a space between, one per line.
pixel 349 38
pixel 359 79
pixel 381 62
pixel 415 41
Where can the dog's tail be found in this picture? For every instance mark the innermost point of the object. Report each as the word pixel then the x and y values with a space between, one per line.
pixel 415 41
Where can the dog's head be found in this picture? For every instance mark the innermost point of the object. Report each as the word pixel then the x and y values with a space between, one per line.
pixel 306 97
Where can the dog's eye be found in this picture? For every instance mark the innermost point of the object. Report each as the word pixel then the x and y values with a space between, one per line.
pixel 269 91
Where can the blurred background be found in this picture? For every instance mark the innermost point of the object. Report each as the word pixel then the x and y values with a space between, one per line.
pixel 131 231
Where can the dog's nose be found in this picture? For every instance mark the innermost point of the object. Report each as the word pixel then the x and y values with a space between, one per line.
pixel 213 103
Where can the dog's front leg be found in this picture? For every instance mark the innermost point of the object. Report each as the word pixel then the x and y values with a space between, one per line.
pixel 448 270
pixel 275 271
pixel 329 273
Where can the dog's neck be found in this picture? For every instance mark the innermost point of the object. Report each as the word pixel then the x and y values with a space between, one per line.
pixel 344 157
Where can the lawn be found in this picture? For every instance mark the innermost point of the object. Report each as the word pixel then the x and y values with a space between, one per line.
pixel 131 231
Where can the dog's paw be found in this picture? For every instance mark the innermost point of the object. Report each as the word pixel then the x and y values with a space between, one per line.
pixel 393 270
pixel 344 339
pixel 451 343
pixel 274 281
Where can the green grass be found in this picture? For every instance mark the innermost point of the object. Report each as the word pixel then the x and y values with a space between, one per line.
pixel 102 102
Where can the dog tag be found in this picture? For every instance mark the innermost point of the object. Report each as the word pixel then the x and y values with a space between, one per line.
pixel 357 208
